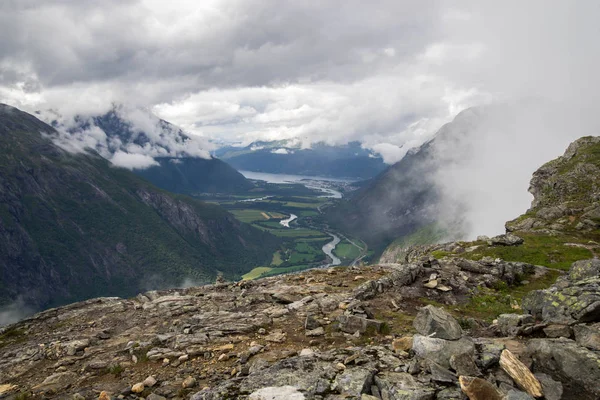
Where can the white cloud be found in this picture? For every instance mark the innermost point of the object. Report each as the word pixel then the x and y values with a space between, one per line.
pixel 282 151
pixel 132 161
pixel 388 73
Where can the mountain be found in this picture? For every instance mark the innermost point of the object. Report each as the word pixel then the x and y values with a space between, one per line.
pixel 195 175
pixel 73 226
pixel 177 162
pixel 283 157
pixel 404 198
pixel 508 317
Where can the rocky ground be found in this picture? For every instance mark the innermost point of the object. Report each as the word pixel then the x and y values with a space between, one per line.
pixel 342 333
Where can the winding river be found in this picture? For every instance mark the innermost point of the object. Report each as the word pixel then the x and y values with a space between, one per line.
pixel 328 249
pixel 286 222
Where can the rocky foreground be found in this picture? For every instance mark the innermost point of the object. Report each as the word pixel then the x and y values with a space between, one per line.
pixel 418 328
pixel 343 333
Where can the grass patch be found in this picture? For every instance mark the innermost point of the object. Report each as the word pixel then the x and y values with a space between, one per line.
pixel 537 249
pixel 488 303
pixel 438 254
pixel 277 260
pixel 115 370
pixel 256 273
pixel 346 250
pixel 292 233
pixel 12 335
pixel 248 215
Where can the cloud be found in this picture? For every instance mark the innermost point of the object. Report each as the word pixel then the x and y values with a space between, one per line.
pixel 128 137
pixel 132 161
pixel 282 151
pixel 14 312
pixel 387 73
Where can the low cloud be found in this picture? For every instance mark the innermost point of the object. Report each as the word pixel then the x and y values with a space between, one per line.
pixel 14 312
pixel 282 151
pixel 132 139
pixel 132 161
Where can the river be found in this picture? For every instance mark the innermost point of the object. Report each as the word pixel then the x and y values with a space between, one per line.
pixel 328 249
pixel 312 182
pixel 286 222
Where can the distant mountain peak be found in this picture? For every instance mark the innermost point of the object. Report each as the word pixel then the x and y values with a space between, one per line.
pixel 124 134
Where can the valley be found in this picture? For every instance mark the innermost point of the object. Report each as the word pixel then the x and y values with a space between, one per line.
pixel 290 207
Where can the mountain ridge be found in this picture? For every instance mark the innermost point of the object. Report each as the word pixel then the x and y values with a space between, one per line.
pixel 174 161
pixel 73 226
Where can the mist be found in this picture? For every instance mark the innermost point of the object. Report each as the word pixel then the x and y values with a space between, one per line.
pixel 14 312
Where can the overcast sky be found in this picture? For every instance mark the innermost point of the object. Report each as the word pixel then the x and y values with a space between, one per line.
pixel 386 72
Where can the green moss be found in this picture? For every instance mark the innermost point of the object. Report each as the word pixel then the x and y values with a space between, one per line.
pixel 12 335
pixel 537 249
pixel 438 254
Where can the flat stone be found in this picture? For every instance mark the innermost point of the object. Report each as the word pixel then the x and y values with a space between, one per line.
pixel 479 389
pixel 57 382
pixel 353 381
pixel 588 336
pixel 401 385
pixel 553 390
pixel 320 331
pixel 431 284
pixel 440 350
pixel 277 393
pixel 353 323
pixel 188 382
pixel 276 336
pixel 435 322
pixel 149 381
pixel 464 364
pixel 569 361
pixel 555 331
pixel 441 374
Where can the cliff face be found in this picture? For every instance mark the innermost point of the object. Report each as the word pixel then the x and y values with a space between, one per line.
pixel 74 227
pixel 566 192
pixel 369 332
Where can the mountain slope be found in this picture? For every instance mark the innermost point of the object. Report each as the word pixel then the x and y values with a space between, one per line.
pixel 72 226
pixel 344 161
pixel 405 197
pixel 195 175
pixel 181 164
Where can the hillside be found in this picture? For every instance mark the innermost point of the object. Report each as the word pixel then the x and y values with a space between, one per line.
pixel 183 166
pixel 405 198
pixel 195 175
pixel 505 318
pixel 73 227
pixel 343 161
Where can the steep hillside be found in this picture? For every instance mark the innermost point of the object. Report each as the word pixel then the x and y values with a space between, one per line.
pixel 183 166
pixel 195 175
pixel 404 198
pixel 561 225
pixel 74 227
pixel 344 161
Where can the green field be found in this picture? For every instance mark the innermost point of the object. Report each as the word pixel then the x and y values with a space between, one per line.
pixel 291 233
pixel 346 251
pixel 256 273
pixel 251 215
pixel 277 260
